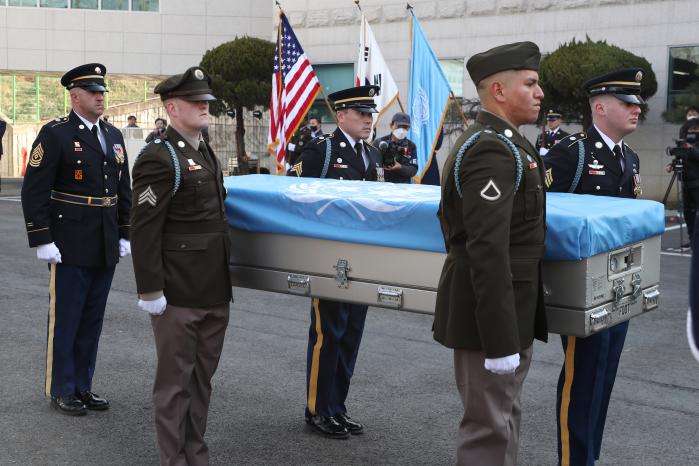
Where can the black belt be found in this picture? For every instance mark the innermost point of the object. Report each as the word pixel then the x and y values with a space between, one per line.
pixel 84 200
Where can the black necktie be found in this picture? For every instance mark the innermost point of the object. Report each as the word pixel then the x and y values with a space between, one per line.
pixel 620 157
pixel 94 133
pixel 358 148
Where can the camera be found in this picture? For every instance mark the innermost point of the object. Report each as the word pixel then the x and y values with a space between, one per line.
pixel 680 152
pixel 391 150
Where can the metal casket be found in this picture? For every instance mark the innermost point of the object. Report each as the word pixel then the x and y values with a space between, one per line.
pixel 583 295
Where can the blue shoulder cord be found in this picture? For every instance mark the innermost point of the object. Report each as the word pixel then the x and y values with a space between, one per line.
pixel 176 164
pixel 579 169
pixel 470 142
pixel 326 164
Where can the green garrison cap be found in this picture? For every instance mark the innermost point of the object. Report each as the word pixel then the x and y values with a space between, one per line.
pixel 624 84
pixel 194 84
pixel 517 56
pixel 360 98
pixel 89 77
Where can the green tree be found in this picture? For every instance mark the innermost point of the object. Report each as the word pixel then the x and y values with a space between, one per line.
pixel 563 73
pixel 241 72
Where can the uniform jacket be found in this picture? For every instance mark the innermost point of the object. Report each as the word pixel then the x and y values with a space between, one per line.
pixel 549 138
pixel 490 294
pixel 297 143
pixel 180 244
pixel 345 163
pixel 601 172
pixel 66 157
pixel 407 158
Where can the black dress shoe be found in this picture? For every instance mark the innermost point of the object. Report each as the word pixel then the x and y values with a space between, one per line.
pixel 353 427
pixel 69 405
pixel 327 426
pixel 93 401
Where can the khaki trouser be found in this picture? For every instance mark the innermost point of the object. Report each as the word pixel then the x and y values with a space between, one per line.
pixel 489 430
pixel 188 342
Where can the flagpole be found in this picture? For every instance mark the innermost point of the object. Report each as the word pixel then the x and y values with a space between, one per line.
pixel 325 98
pixel 458 106
pixel 327 102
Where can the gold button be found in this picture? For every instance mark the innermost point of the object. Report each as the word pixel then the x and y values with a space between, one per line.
pixel 106 191
pixel 105 163
pixel 182 246
pixel 60 215
pixel 105 177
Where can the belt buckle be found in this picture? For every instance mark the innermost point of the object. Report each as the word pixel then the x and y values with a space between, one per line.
pixel 106 202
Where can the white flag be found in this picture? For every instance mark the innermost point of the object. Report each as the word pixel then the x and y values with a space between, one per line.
pixel 372 69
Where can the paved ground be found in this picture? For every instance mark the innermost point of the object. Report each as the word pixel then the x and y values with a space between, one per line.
pixel 403 388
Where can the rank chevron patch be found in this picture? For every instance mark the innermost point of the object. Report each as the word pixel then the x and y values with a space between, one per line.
pixel 148 196
pixel 298 168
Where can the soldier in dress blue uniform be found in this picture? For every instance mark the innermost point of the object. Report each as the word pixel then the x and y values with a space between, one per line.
pixel 596 161
pixel 76 199
pixel 553 133
pixel 336 328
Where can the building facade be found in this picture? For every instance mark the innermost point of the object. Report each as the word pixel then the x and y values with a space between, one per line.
pixel 664 32
pixel 139 42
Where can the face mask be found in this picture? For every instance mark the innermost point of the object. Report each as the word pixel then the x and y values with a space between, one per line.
pixel 400 133
pixel 313 128
pixel 689 117
pixel 692 137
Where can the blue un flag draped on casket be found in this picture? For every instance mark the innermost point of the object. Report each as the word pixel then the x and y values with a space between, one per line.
pixel 428 96
pixel 405 216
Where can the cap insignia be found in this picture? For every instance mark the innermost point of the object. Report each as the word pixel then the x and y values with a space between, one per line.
pixel 639 76
pixel 98 70
pixel 371 92
pixel 199 74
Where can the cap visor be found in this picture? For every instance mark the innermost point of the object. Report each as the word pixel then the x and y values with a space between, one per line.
pixel 94 88
pixel 196 97
pixel 630 98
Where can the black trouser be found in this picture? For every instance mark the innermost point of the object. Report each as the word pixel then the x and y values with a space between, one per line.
pixel 690 204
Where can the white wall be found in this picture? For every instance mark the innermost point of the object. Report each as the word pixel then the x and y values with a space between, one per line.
pixel 329 31
pixel 130 42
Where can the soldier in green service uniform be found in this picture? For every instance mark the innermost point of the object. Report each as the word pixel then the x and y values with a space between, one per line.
pixel 180 257
pixel 489 301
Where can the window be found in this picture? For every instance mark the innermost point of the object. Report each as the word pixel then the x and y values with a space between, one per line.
pixel 144 5
pixel 683 78
pixel 84 4
pixel 453 69
pixel 333 78
pixel 53 3
pixel 115 4
pixel 22 3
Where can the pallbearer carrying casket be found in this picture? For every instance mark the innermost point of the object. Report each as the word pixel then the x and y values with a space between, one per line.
pixel 490 303
pixel 596 161
pixel 336 328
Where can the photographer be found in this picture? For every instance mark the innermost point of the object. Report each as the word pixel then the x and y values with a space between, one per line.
pixel 686 164
pixel 159 130
pixel 399 153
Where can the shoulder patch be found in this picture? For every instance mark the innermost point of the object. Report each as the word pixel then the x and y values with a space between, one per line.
pixel 36 156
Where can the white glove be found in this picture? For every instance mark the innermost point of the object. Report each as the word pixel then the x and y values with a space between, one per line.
pixel 500 366
pixel 124 247
pixel 155 307
pixel 690 337
pixel 48 252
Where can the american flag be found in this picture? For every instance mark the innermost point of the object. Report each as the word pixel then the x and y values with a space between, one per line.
pixel 294 89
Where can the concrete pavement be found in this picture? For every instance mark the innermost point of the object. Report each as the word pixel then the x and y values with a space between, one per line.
pixel 403 388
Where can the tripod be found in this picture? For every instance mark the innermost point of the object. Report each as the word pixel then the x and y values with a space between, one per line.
pixel 677 175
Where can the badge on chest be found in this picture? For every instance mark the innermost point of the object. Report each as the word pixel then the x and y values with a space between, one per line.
pixel 193 166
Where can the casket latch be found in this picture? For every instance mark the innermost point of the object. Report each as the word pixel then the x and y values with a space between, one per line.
pixel 636 285
pixel 341 275
pixel 618 290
